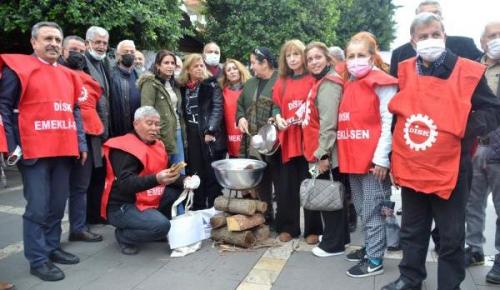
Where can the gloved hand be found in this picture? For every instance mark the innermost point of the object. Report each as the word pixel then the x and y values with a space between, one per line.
pixel 281 122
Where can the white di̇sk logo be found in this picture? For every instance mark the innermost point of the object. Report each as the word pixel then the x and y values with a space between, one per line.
pixel 306 111
pixel 84 95
pixel 420 132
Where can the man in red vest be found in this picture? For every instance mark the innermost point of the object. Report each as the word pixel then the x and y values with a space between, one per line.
pixel 136 198
pixel 38 101
pixel 443 103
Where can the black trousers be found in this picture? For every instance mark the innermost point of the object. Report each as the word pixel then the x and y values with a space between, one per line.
pixel 270 180
pixel 449 215
pixel 94 193
pixel 199 158
pixel 336 225
pixel 288 201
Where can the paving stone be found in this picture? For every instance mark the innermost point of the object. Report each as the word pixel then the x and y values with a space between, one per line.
pixel 11 229
pixel 307 272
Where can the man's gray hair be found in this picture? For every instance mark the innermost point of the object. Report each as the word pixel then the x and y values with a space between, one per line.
pixel 211 42
pixel 96 30
pixel 424 19
pixel 71 37
pixel 36 27
pixel 492 23
pixel 337 52
pixel 123 42
pixel 145 111
pixel 428 2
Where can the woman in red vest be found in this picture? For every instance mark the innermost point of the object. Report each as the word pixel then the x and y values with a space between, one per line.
pixel 234 76
pixel 364 144
pixel 319 128
pixel 289 95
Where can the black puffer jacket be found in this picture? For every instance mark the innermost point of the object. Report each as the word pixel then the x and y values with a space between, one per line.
pixel 211 112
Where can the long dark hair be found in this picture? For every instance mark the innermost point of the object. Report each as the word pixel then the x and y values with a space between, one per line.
pixel 158 59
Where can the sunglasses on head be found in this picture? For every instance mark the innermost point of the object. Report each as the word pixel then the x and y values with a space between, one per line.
pixel 258 52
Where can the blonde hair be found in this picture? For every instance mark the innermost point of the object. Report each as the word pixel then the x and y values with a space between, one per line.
pixel 188 62
pixel 244 73
pixel 370 41
pixel 283 68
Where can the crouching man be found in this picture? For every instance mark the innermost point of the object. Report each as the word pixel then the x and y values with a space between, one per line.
pixel 139 190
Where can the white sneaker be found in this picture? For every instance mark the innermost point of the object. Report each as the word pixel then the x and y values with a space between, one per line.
pixel 318 252
pixel 320 238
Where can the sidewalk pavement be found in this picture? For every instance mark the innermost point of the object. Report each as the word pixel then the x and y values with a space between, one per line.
pixel 283 266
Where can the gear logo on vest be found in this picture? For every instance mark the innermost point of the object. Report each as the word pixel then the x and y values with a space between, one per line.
pixel 420 132
pixel 84 95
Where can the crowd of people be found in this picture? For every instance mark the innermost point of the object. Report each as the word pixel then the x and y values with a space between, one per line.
pixel 101 134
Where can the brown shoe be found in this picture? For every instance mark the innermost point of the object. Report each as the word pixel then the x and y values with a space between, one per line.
pixel 285 237
pixel 312 239
pixel 6 286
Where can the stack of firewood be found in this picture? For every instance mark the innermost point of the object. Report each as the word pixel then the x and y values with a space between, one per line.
pixel 241 222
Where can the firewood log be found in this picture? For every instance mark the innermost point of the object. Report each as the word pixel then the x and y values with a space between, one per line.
pixel 235 205
pixel 239 222
pixel 261 233
pixel 245 239
pixel 218 220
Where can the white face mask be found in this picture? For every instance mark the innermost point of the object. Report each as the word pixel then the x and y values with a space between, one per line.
pixel 177 73
pixel 95 55
pixel 493 51
pixel 212 59
pixel 430 49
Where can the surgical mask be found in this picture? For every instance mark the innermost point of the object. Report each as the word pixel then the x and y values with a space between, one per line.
pixel 75 60
pixel 95 55
pixel 359 67
pixel 493 51
pixel 212 59
pixel 177 73
pixel 127 60
pixel 430 49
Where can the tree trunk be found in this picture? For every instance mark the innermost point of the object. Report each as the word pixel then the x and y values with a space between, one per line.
pixel 261 233
pixel 239 222
pixel 239 205
pixel 218 220
pixel 244 239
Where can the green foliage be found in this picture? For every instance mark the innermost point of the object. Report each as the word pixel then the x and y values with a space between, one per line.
pixel 150 23
pixel 375 16
pixel 242 25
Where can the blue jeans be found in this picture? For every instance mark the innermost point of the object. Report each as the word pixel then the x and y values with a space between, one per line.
pixel 134 226
pixel 46 189
pixel 179 156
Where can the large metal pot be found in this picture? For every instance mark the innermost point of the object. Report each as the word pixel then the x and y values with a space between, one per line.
pixel 239 173
pixel 266 141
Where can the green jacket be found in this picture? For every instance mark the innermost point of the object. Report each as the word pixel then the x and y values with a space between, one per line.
pixel 256 112
pixel 153 93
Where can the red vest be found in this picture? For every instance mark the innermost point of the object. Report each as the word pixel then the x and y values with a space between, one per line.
pixel 310 124
pixel 233 133
pixel 88 102
pixel 359 124
pixel 153 157
pixel 290 96
pixel 431 117
pixel 3 139
pixel 48 95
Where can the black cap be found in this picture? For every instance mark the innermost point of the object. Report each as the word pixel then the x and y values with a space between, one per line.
pixel 264 53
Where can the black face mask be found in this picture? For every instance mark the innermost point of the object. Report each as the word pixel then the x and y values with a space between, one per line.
pixel 75 60
pixel 127 60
